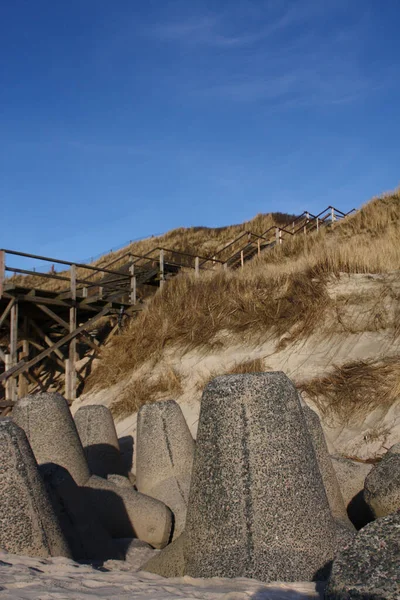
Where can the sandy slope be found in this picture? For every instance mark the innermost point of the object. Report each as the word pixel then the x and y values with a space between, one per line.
pixel 362 327
pixel 60 578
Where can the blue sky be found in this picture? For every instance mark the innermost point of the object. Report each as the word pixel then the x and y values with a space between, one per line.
pixel 123 119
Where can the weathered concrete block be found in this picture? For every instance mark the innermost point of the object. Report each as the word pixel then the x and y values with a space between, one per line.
pixel 351 476
pixel 327 471
pixel 382 486
pixel 82 528
pixel 257 505
pixel 170 562
pixel 28 524
pixel 96 429
pixel 369 568
pixel 164 458
pixel 50 428
pixel 127 513
pixel 120 481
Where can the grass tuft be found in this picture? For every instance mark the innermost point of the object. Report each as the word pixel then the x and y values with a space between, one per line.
pixel 355 387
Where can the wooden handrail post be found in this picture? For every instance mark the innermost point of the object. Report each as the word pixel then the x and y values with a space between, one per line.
pixel 162 271
pixel 2 271
pixel 197 266
pixel 13 348
pixel 242 259
pixel 278 235
pixel 23 383
pixel 132 295
pixel 259 247
pixel 317 223
pixel 70 364
pixel 333 216
pixel 8 385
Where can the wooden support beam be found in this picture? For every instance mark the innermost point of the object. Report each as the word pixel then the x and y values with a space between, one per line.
pixel 14 347
pixel 54 316
pixel 70 364
pixel 46 338
pixel 23 366
pixel 23 380
pixel 162 272
pixel 197 266
pixel 6 311
pixel 2 271
pixel 132 295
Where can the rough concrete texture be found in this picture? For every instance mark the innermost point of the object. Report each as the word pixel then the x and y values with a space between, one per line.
pixel 257 505
pixel 28 524
pixel 395 449
pixel 170 562
pixel 47 421
pixel 351 476
pixel 327 471
pixel 128 513
pixel 382 486
pixel 120 481
pixel 164 458
pixel 369 569
pixel 82 528
pixel 135 552
pixel 96 429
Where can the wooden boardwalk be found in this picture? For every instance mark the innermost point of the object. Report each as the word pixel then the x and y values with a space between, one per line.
pixel 49 339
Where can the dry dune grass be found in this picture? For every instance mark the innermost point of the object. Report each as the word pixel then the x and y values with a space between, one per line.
pixel 284 291
pixel 355 387
pixel 143 390
pixel 169 385
pixel 192 312
pixel 256 365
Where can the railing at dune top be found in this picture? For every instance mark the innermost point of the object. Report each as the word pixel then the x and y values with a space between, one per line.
pixel 122 273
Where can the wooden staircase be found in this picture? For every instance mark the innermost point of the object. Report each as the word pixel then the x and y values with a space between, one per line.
pixel 49 339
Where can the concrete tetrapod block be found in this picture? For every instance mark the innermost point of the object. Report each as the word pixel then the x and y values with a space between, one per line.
pixel 86 535
pixel 369 568
pixel 164 458
pixel 170 562
pixel 96 429
pixel 327 471
pixel 382 486
pixel 127 513
pixel 28 524
pixel 351 476
pixel 257 505
pixel 47 421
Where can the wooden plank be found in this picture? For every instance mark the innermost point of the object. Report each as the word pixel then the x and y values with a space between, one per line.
pixel 54 316
pixel 23 366
pixel 35 299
